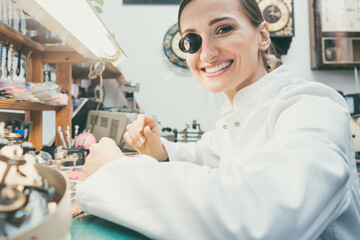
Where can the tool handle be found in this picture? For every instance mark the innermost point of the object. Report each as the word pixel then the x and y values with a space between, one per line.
pixel 68 138
pixel 61 137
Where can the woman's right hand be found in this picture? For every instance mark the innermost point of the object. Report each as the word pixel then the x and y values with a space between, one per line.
pixel 143 135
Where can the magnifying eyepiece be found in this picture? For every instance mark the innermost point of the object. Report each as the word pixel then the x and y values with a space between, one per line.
pixel 191 43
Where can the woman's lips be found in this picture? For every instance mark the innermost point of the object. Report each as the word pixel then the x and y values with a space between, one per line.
pixel 218 69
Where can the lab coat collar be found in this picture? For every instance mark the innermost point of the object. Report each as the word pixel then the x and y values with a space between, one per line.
pixel 251 93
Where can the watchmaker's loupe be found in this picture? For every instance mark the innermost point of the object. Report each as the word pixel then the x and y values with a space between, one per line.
pixel 190 43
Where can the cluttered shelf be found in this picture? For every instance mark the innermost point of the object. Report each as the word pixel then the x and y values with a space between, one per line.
pixel 14 35
pixel 25 105
pixel 51 52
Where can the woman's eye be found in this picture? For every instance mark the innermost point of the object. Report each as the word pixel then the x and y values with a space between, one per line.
pixel 224 29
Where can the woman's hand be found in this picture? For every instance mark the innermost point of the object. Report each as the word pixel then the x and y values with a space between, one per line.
pixel 144 136
pixel 101 153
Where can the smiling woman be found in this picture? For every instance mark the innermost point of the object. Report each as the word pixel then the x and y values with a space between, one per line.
pixel 231 43
pixel 279 165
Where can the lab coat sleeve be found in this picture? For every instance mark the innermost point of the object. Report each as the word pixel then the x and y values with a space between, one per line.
pixel 206 151
pixel 291 188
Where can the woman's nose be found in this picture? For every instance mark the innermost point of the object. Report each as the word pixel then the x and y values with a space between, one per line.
pixel 209 50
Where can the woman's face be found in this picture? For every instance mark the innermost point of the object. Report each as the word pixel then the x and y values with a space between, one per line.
pixel 229 58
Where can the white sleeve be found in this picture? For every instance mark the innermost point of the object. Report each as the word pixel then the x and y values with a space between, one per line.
pixel 291 188
pixel 206 151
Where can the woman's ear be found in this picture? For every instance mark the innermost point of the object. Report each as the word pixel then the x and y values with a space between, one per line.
pixel 265 40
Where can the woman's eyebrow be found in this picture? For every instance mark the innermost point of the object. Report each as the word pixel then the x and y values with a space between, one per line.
pixel 190 30
pixel 212 22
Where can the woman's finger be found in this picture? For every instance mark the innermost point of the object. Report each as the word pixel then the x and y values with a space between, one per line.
pixel 140 119
pixel 134 134
pixel 139 133
pixel 128 139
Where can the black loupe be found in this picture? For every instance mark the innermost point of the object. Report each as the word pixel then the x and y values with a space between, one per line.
pixel 191 43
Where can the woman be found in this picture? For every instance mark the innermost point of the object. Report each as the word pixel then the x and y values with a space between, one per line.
pixel 280 164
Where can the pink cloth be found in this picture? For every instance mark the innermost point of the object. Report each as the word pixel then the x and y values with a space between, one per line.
pixel 85 139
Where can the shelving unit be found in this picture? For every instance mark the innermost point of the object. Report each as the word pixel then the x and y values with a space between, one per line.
pixel 27 23
pixel 62 56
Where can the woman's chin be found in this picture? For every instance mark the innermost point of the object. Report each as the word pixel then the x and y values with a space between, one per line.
pixel 214 89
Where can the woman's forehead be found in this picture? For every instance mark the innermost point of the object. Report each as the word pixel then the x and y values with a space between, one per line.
pixel 201 6
pixel 203 11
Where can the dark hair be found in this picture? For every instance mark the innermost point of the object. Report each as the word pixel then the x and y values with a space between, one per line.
pixel 252 11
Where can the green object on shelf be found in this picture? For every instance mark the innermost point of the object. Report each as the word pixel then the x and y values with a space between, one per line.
pixel 87 226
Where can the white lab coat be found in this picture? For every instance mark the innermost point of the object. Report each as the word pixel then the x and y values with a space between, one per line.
pixel 280 165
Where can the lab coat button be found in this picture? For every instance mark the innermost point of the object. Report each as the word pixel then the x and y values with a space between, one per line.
pixel 237 124
pixel 225 127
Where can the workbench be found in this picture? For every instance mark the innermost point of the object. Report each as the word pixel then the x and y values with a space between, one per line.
pixel 90 227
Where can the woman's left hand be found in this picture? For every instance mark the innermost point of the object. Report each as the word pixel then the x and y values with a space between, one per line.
pixel 101 153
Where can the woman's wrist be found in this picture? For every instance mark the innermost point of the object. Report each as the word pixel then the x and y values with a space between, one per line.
pixel 163 157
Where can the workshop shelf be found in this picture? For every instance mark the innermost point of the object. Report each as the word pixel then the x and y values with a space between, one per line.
pixel 27 106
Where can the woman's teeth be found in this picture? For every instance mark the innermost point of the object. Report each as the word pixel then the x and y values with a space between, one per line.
pixel 218 68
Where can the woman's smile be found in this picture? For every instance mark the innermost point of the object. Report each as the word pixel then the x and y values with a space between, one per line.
pixel 217 69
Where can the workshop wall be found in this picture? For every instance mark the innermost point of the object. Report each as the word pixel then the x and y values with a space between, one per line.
pixel 171 93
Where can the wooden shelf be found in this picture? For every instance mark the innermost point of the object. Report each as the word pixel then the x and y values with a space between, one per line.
pixel 26 106
pixel 8 33
pixel 50 51
pixel 81 70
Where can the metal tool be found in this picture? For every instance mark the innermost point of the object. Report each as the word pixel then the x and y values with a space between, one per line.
pixel 6 60
pixel 11 16
pixel 11 52
pixel 18 67
pixel 1 52
pixel 20 19
pixel 61 137
pixel 67 134
pixel 86 134
pixel 76 134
